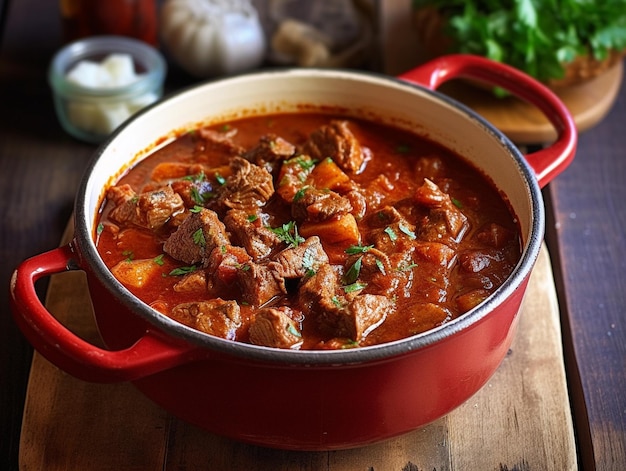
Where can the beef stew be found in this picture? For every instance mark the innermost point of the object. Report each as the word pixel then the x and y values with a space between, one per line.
pixel 307 231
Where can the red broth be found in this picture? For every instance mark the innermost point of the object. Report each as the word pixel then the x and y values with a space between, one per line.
pixel 308 231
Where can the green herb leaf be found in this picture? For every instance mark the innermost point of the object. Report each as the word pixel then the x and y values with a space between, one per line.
pixel 391 233
pixel 355 249
pixel 198 238
pixel 354 287
pixel 288 233
pixel 180 271
pixel 353 272
pixel 158 260
pixel 405 230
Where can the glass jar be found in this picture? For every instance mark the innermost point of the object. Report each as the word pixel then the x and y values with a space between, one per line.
pixel 92 112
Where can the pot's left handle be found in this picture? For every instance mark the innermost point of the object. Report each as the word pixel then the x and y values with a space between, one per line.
pixel 548 162
pixel 150 354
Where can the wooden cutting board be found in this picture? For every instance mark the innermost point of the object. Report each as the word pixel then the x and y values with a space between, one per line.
pixel 520 420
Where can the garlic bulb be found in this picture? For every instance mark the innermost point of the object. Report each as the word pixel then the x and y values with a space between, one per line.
pixel 212 37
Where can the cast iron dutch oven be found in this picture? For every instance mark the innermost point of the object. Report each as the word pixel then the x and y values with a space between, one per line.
pixel 305 400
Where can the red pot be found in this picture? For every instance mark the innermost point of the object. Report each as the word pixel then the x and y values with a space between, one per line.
pixel 306 400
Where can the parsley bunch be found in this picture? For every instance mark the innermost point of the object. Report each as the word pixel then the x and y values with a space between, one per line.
pixel 536 36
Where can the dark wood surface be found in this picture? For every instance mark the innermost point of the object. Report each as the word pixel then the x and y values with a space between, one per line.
pixel 40 168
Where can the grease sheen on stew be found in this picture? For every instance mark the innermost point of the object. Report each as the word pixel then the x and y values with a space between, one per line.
pixel 307 231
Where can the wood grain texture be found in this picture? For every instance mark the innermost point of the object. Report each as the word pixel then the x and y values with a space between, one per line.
pixel 588 231
pixel 519 420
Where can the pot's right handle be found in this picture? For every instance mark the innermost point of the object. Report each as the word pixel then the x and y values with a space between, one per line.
pixel 148 355
pixel 548 162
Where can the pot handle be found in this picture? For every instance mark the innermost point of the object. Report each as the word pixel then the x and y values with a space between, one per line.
pixel 148 355
pixel 547 162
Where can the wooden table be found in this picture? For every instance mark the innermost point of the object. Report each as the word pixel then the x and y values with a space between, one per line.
pixel 40 168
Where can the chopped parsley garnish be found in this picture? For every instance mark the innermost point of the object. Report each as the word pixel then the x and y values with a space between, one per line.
pixel 252 217
pixel 300 193
pixel 407 266
pixel 354 287
pixel 380 266
pixel 293 331
pixel 99 229
pixel 353 272
pixel 197 178
pixel 158 260
pixel 220 179
pixel 196 209
pixel 198 238
pixel 457 203
pixel 200 197
pixel 406 231
pixel 288 233
pixel 391 233
pixel 355 249
pixel 180 271
pixel 308 262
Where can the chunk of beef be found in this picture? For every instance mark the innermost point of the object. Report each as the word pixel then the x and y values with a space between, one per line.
pixel 302 260
pixel 494 235
pixel 218 140
pixel 311 204
pixel 275 327
pixel 259 283
pixel 425 316
pixel 292 176
pixel 442 211
pixel 192 282
pixel 270 150
pixel 247 229
pixel 335 140
pixel 321 292
pixel 224 264
pixel 358 318
pixel 194 192
pixel 215 317
pixel 196 237
pixel 436 252
pixel 391 231
pixel 249 186
pixel 151 209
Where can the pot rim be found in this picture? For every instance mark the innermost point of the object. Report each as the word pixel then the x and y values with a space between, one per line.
pixel 530 250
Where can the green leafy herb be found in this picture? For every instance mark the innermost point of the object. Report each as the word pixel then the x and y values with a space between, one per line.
pixel 300 193
pixel 288 233
pixel 129 254
pixel 353 272
pixel 391 233
pixel 457 203
pixel 293 331
pixel 380 266
pixel 354 287
pixel 180 271
pixel 308 262
pixel 220 179
pixel 356 249
pixel 407 266
pixel 405 230
pixel 158 260
pixel 196 209
pixel 99 229
pixel 335 300
pixel 197 178
pixel 536 36
pixel 198 238
pixel 252 217
pixel 199 197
